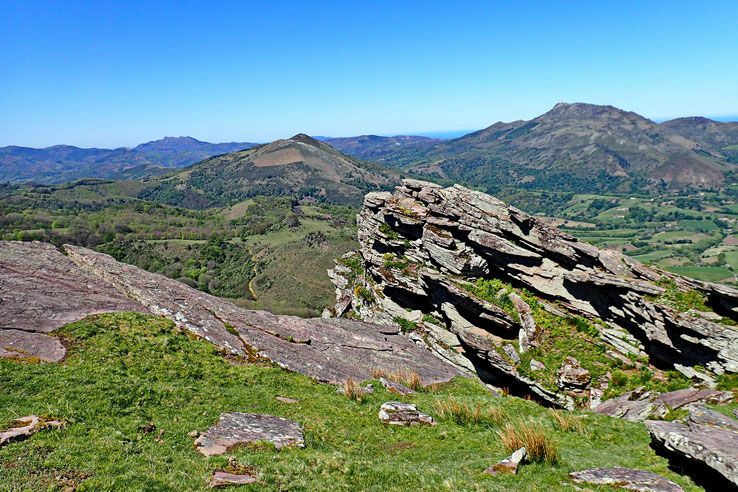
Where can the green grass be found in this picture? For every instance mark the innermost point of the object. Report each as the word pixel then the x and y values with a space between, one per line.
pixel 708 274
pixel 125 371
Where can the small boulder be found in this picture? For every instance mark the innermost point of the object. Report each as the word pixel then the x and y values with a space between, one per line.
pixel 627 478
pixel 536 365
pixel 396 387
pixel 223 479
pixel 284 399
pixel 572 374
pixel 236 429
pixel 399 413
pixel 509 464
pixel 511 352
pixel 24 427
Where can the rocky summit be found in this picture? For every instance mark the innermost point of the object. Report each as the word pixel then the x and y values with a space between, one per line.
pixel 497 292
pixel 42 288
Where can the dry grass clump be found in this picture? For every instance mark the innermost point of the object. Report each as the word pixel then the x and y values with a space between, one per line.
pixel 404 376
pixel 566 422
pixel 465 413
pixel 533 437
pixel 352 390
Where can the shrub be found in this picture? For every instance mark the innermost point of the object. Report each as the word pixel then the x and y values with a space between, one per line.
pixel 566 422
pixel 619 378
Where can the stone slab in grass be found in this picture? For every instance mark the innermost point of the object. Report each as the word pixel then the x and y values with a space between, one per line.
pixel 24 427
pixel 399 413
pixel 224 479
pixel 626 478
pixel 238 429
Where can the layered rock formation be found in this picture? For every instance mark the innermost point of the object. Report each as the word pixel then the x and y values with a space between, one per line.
pixel 486 286
pixel 42 289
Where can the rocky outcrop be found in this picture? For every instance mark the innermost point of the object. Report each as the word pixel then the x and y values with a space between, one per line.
pixel 239 429
pixel 64 288
pixel 424 248
pixel 626 478
pixel 41 290
pixel 706 438
pixel 399 413
pixel 640 405
pixel 509 464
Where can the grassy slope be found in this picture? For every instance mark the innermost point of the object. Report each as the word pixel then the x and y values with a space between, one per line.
pixel 125 371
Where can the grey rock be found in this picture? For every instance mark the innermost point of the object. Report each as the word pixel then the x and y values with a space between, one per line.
pixel 456 235
pixel 704 416
pixel 626 478
pixel 536 365
pixel 572 374
pixel 399 413
pixel 24 427
pixel 712 446
pixel 224 479
pixel 509 464
pixel 238 429
pixel 396 387
pixel 638 406
pixel 511 352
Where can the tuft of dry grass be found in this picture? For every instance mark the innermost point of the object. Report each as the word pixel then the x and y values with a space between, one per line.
pixel 566 422
pixel 465 413
pixel 352 390
pixel 533 437
pixel 404 376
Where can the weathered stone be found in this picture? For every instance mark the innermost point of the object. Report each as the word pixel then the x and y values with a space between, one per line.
pixel 24 427
pixel 509 349
pixel 509 464
pixel 536 365
pixel 626 478
pixel 456 236
pixel 705 416
pixel 712 446
pixel 224 479
pixel 638 406
pixel 284 399
pixel 238 429
pixel 41 290
pixel 396 387
pixel 572 374
pixel 399 413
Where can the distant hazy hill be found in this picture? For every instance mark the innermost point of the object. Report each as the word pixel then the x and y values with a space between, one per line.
pixel 62 163
pixel 299 166
pixel 580 147
pixel 375 148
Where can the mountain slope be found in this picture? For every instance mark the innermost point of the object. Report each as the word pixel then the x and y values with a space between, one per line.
pixel 581 147
pixel 62 163
pixel 376 148
pixel 300 166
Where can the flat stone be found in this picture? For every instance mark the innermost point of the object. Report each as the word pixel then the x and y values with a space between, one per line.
pixel 238 429
pixel 223 479
pixel 638 406
pixel 705 416
pixel 396 387
pixel 24 427
pixel 327 350
pixel 41 290
pixel 572 374
pixel 712 446
pixel 627 478
pixel 399 413
pixel 284 399
pixel 509 464
pixel 536 365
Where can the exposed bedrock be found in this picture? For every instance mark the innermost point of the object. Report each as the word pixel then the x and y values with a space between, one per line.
pixel 63 288
pixel 423 248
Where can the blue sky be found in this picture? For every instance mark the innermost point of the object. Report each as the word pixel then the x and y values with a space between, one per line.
pixel 119 73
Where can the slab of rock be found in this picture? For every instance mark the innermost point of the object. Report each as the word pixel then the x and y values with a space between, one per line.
pixel 536 365
pixel 704 416
pixel 327 350
pixel 396 387
pixel 640 405
pixel 714 447
pixel 237 429
pixel 41 290
pixel 224 479
pixel 572 374
pixel 284 399
pixel 509 464
pixel 626 478
pixel 399 413
pixel 24 427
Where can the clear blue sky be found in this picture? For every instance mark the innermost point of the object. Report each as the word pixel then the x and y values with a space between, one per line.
pixel 108 73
